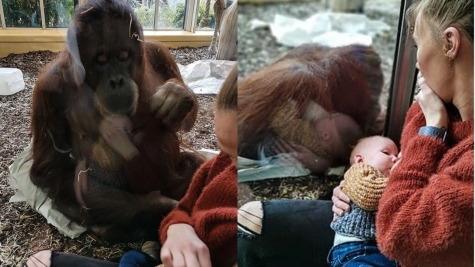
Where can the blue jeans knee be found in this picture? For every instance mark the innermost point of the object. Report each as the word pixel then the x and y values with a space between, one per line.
pixel 358 254
pixel 135 258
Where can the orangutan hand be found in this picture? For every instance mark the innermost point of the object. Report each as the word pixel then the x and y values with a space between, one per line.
pixel 171 104
pixel 305 156
pixel 116 131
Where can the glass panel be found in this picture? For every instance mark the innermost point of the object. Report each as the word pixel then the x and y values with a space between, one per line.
pixel 20 13
pixel 171 14
pixel 145 10
pixel 58 13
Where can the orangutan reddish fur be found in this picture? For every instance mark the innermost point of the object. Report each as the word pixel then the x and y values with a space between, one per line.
pixel 64 111
pixel 346 80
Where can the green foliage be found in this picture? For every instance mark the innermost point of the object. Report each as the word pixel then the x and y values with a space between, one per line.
pixel 175 18
pixel 170 18
pixel 145 16
pixel 19 13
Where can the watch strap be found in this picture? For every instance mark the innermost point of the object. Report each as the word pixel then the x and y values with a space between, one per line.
pixel 439 133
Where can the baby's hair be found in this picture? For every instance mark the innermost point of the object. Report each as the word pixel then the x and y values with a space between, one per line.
pixel 443 14
pixel 227 97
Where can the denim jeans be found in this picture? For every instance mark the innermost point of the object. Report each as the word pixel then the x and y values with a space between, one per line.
pixel 294 233
pixel 59 259
pixel 358 254
pixel 137 258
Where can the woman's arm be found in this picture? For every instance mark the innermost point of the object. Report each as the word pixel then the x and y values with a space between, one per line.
pixel 426 211
pixel 182 213
pixel 181 244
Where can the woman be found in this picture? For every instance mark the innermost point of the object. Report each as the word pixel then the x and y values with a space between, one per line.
pixel 202 229
pixel 425 215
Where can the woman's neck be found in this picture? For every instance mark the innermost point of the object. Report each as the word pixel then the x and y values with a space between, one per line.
pixel 463 101
pixel 463 78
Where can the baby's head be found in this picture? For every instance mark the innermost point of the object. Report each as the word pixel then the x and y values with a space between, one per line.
pixel 377 151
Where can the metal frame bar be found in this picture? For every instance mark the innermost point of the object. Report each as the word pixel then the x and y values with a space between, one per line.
pixel 191 14
pixel 2 16
pixel 403 79
pixel 156 16
pixel 43 19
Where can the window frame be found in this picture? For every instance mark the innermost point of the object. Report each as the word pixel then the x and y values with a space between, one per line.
pixel 403 78
pixel 2 16
pixel 189 24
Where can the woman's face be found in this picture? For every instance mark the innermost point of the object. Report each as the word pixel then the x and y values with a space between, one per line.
pixel 431 61
pixel 225 125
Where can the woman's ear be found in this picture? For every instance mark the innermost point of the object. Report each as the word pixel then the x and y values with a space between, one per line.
pixel 451 40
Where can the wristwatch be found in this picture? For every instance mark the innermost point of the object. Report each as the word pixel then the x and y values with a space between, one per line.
pixel 439 133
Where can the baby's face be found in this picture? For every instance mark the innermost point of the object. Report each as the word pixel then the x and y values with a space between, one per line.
pixel 381 153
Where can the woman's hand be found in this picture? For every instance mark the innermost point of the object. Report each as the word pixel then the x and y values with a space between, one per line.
pixel 117 132
pixel 183 247
pixel 431 105
pixel 341 202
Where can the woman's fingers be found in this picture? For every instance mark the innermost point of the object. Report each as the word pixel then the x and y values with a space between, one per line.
pixel 341 202
pixel 166 257
pixel 431 105
pixel 204 257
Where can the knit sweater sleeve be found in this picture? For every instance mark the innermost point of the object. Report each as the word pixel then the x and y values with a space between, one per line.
pixel 427 207
pixel 216 221
pixel 182 213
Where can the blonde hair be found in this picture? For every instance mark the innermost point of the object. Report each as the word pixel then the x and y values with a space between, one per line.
pixel 441 14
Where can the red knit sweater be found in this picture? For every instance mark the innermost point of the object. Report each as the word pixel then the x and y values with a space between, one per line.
pixel 425 216
pixel 210 207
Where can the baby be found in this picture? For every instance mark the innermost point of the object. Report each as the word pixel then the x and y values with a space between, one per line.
pixel 372 160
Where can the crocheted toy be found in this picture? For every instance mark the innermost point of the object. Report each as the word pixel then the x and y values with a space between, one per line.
pixel 364 185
